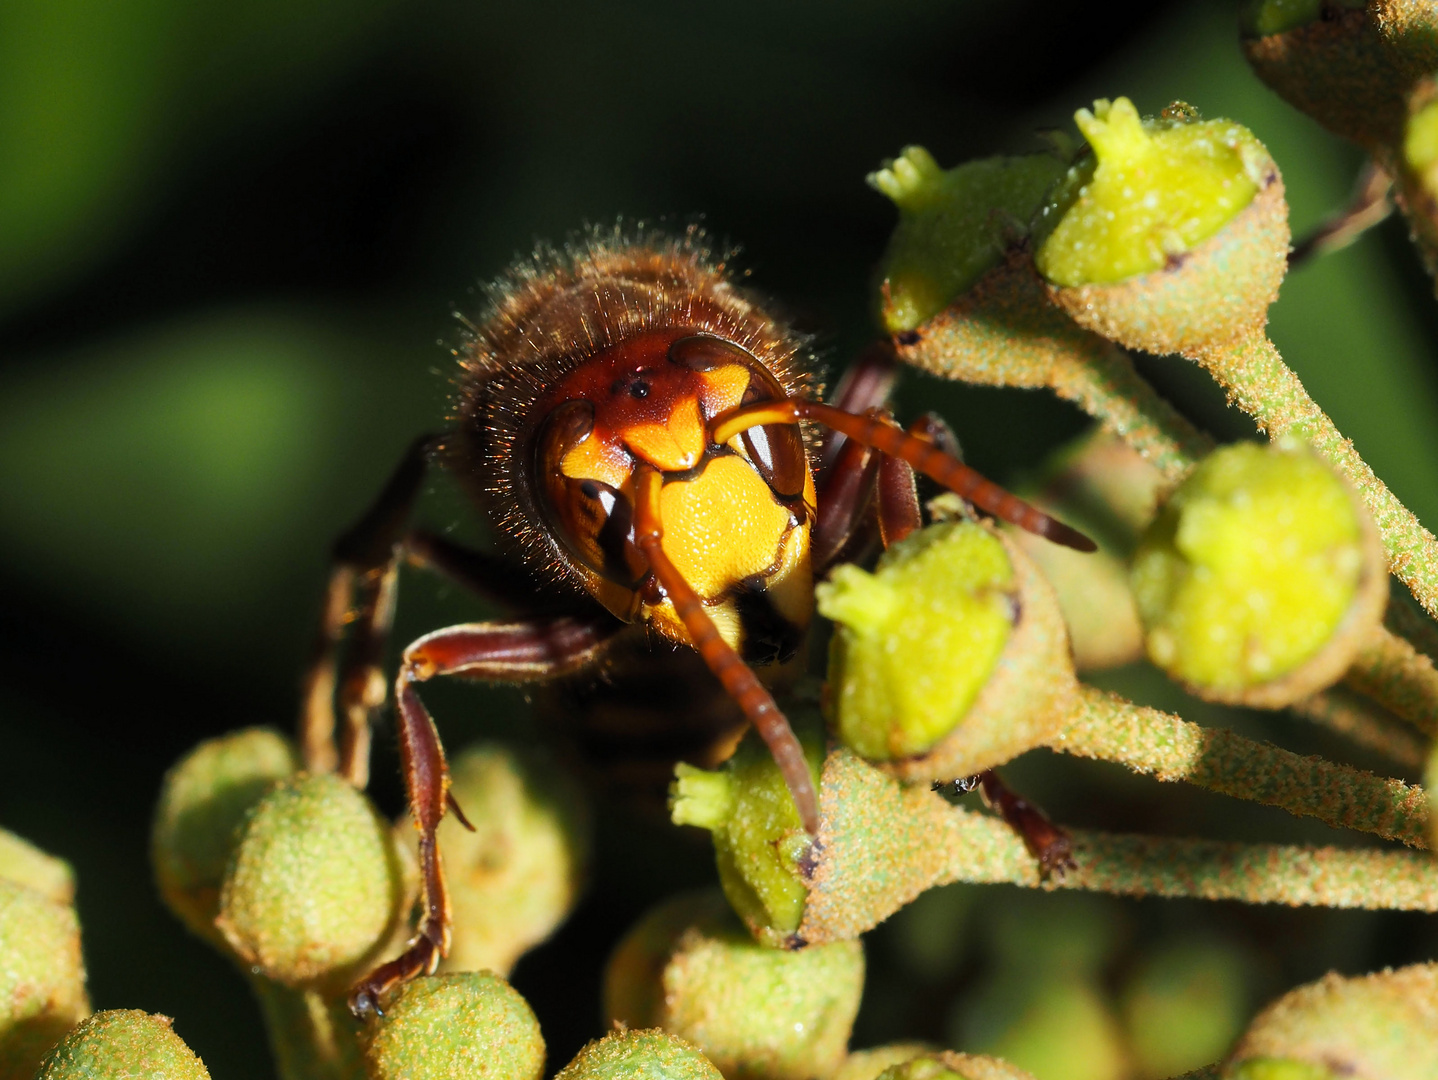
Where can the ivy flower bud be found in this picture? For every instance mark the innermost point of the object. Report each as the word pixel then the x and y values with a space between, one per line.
pixel 760 845
pixel 950 658
pixel 315 885
pixel 625 1055
pixel 947 1065
pixel 42 976
pixel 1417 172
pixel 690 967
pixel 123 1043
pixel 22 863
pixel 518 874
pixel 1172 236
pixel 1327 58
pixel 1185 1005
pixel 1261 578
pixel 954 225
pixel 868 1064
pixel 448 1027
pixel 203 800
pixel 1373 1025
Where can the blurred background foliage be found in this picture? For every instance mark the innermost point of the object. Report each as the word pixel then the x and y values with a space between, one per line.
pixel 231 239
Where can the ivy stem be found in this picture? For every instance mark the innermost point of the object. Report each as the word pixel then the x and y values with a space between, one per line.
pixel 1102 381
pixel 1391 671
pixel 1257 380
pixel 312 1036
pixel 883 843
pixel 1108 727
pixel 1005 332
pixel 1364 725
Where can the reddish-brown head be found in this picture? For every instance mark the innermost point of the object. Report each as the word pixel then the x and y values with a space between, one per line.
pixel 617 355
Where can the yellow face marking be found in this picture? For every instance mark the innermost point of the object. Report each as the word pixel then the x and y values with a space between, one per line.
pixel 672 446
pixel 723 388
pixel 595 459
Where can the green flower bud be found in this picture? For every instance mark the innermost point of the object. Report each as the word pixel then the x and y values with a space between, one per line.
pixel 952 649
pixel 42 977
pixel 1184 1006
pixel 1378 1026
pixel 947 1065
pixel 1260 579
pixel 448 1027
pixel 1176 239
pixel 759 841
pixel 953 226
pixel 1054 1024
pixel 203 800
pixel 690 967
pixel 639 1055
pixel 123 1043
pixel 22 863
pixel 1152 194
pixel 868 1064
pixel 1417 172
pixel 1259 18
pixel 1329 60
pixel 517 876
pixel 315 886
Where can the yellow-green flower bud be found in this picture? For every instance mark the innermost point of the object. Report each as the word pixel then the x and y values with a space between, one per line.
pixel 22 863
pixel 315 885
pixel 1259 580
pixel 868 1064
pixel 952 649
pixel 639 1055
pixel 1184 1006
pixel 691 968
pixel 917 639
pixel 1259 18
pixel 1417 172
pixel 42 977
pixel 518 874
pixel 454 1027
pixel 953 226
pixel 1174 235
pixel 1053 1023
pixel 1155 192
pixel 947 1065
pixel 1377 1025
pixel 123 1043
pixel 203 800
pixel 759 841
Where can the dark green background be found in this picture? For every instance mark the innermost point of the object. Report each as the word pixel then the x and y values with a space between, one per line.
pixel 231 238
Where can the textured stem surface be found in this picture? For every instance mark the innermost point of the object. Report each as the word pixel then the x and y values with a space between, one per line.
pixel 1400 678
pixel 1262 385
pixel 883 843
pixel 1364 724
pixel 1102 381
pixel 1110 728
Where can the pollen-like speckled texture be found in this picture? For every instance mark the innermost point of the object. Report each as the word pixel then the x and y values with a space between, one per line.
pixel 551 312
pixel 42 976
pixel 639 1055
pixel 203 801
pixel 315 884
pixel 758 1013
pixel 123 1044
pixel 1375 1027
pixel 448 1027
pixel 1252 568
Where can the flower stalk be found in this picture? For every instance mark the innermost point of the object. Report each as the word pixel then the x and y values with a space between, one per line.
pixel 882 843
